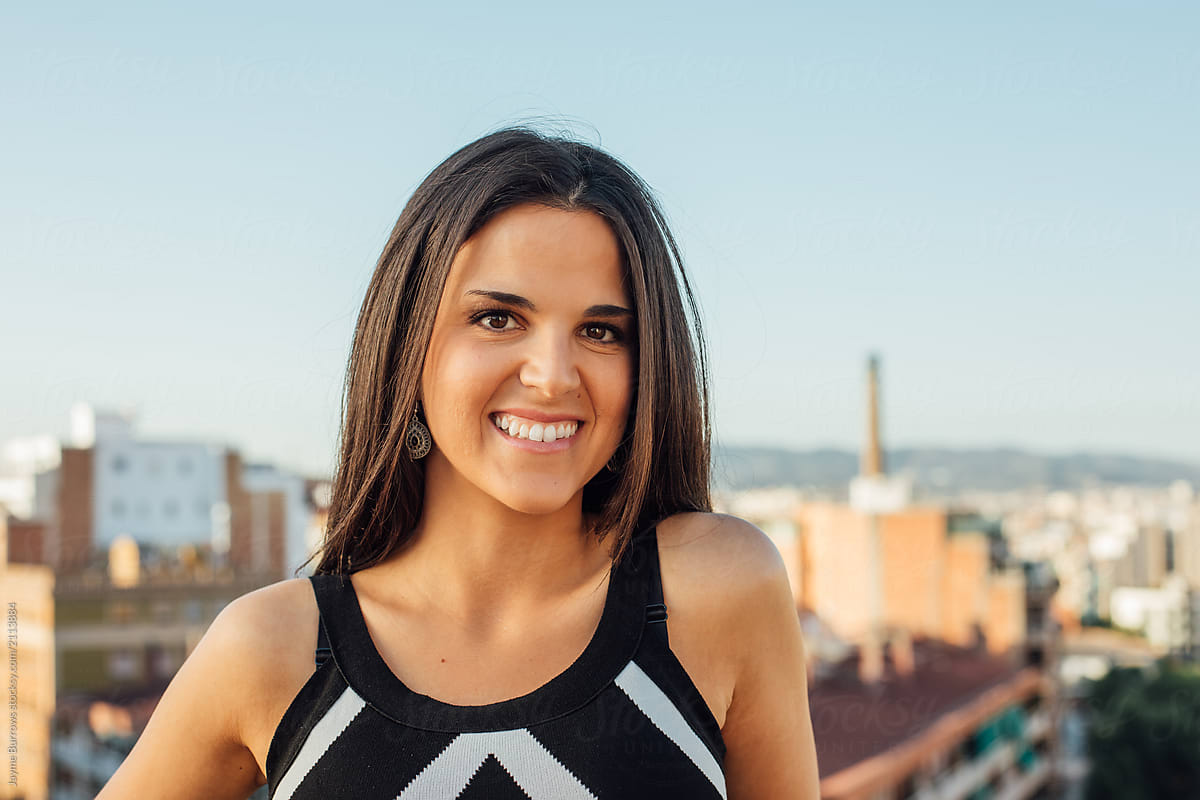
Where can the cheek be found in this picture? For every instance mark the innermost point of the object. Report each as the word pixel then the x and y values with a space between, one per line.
pixel 460 379
pixel 616 389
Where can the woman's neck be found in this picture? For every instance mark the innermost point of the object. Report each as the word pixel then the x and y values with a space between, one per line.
pixel 484 561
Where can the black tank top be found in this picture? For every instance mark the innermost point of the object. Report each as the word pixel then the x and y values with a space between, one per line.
pixel 623 721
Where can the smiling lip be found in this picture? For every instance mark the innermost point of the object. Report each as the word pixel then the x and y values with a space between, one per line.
pixel 535 416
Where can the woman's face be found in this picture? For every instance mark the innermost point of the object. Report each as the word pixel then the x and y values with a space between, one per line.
pixel 535 332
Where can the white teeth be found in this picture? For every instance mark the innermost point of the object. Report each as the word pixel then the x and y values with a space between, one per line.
pixel 536 431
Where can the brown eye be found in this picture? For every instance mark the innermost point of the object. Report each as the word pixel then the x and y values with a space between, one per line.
pixel 488 320
pixel 597 333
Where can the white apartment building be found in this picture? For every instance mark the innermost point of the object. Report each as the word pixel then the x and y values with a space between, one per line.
pixel 168 493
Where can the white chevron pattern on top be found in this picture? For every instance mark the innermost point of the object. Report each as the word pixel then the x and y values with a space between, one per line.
pixel 539 774
pixel 534 768
pixel 323 734
pixel 666 717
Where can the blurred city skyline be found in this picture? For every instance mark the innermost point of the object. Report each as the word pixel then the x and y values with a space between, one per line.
pixel 1000 202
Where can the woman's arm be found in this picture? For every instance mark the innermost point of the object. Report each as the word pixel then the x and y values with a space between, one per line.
pixel 192 748
pixel 768 734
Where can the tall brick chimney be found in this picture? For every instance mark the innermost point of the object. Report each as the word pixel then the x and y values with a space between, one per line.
pixel 872 457
pixel 871 662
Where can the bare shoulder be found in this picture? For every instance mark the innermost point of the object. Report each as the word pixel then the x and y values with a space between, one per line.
pixel 727 569
pixel 732 573
pixel 731 570
pixel 271 613
pixel 204 738
pixel 267 627
pixel 718 574
pixel 274 629
pixel 720 551
pixel 266 640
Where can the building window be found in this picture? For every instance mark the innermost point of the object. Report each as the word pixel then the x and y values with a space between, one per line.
pixel 122 665
pixel 121 611
pixel 120 464
pixel 164 611
pixel 163 665
pixel 118 508
pixel 171 508
pixel 185 466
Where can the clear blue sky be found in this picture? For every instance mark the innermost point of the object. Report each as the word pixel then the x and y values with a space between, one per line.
pixel 1002 201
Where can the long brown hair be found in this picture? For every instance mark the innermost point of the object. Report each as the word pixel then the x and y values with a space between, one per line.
pixel 663 458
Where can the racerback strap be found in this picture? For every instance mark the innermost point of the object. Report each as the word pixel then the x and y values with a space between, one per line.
pixel 323 651
pixel 656 609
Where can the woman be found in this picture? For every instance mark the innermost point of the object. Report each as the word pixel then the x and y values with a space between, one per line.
pixel 523 591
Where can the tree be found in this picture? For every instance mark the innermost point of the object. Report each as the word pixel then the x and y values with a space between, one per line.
pixel 1144 739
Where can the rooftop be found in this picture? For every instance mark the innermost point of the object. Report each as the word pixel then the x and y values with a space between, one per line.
pixel 853 721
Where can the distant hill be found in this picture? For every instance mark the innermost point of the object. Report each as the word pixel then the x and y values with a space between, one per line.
pixel 938 469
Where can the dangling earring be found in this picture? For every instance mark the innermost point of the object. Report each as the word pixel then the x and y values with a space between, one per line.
pixel 417 439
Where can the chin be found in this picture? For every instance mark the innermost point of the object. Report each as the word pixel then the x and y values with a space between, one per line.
pixel 535 508
pixel 535 502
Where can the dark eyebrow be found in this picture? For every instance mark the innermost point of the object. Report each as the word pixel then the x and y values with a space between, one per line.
pixel 502 297
pixel 508 298
pixel 605 310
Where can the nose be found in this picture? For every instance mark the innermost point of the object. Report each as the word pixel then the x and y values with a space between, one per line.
pixel 549 365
